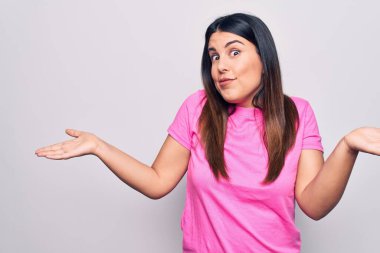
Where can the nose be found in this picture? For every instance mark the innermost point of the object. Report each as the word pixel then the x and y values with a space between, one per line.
pixel 222 65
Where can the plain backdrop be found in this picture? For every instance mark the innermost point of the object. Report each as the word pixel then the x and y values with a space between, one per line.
pixel 120 70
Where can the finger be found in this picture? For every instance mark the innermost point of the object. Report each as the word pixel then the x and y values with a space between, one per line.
pixel 73 132
pixel 51 153
pixel 50 148
pixel 59 156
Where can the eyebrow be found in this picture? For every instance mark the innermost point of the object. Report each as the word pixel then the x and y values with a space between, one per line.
pixel 227 44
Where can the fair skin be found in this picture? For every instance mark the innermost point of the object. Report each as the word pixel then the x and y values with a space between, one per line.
pixel 235 58
pixel 319 184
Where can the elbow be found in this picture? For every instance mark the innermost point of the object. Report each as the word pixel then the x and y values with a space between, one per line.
pixel 158 192
pixel 316 215
pixel 155 196
pixel 315 211
pixel 154 193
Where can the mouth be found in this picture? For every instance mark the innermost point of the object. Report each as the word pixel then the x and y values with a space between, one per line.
pixel 225 81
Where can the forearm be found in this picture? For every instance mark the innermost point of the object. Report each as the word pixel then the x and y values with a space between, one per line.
pixel 137 175
pixel 326 189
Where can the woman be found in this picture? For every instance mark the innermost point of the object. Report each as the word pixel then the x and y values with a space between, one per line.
pixel 249 150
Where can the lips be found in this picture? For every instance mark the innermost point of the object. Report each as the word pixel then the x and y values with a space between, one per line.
pixel 224 81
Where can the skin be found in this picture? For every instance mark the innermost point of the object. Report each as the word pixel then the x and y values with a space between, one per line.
pixel 235 57
pixel 319 184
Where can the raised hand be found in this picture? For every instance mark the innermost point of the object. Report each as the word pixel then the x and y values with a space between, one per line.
pixel 364 139
pixel 84 143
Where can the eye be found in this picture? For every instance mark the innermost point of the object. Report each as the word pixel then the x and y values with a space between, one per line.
pixel 235 52
pixel 214 57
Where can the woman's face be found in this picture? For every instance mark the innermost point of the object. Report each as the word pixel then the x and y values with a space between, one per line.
pixel 236 67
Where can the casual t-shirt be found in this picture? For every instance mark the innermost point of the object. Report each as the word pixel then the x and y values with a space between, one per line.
pixel 240 215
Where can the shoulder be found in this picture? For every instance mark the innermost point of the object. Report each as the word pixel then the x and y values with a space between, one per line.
pixel 196 98
pixel 305 110
pixel 198 95
pixel 301 104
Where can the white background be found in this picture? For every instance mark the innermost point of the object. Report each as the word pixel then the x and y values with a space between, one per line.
pixel 121 69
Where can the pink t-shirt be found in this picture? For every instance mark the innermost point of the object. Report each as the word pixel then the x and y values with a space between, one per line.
pixel 240 215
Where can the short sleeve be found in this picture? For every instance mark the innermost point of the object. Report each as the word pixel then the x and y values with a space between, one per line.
pixel 311 136
pixel 180 129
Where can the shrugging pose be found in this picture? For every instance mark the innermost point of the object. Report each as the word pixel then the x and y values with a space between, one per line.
pixel 248 149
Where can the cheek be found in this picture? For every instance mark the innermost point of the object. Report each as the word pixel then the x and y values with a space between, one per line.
pixel 250 73
pixel 213 73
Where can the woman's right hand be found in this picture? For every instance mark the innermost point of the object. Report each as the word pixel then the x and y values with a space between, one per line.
pixel 84 144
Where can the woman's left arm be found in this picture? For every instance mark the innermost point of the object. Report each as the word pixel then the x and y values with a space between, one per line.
pixel 320 184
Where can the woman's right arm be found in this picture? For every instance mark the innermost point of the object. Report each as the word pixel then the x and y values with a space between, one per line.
pixel 154 182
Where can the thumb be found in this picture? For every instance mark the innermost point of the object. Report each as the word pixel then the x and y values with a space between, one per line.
pixel 72 132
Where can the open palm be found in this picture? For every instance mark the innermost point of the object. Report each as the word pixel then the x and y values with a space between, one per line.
pixel 364 139
pixel 84 143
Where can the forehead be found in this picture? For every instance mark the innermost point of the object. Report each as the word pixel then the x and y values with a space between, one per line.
pixel 219 39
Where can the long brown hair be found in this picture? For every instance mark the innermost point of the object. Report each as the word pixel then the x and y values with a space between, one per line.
pixel 279 111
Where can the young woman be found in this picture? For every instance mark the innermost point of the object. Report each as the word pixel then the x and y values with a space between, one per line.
pixel 249 150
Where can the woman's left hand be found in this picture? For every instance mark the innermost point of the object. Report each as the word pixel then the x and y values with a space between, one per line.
pixel 364 139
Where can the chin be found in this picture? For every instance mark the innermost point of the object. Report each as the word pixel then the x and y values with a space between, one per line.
pixel 231 100
pixel 229 97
